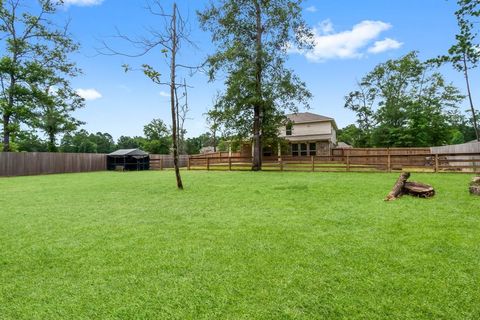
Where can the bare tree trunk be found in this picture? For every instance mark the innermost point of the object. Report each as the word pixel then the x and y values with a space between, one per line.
pixel 172 97
pixel 6 134
pixel 470 99
pixel 214 140
pixel 51 143
pixel 258 112
pixel 6 115
pixel 257 141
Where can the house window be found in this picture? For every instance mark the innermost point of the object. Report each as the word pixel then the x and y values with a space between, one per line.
pixel 289 129
pixel 303 149
pixel 313 149
pixel 267 151
pixel 294 149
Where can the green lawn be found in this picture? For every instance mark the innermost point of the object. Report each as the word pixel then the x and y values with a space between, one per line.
pixel 237 245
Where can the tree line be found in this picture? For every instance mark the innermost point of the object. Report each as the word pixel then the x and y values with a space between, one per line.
pixel 156 139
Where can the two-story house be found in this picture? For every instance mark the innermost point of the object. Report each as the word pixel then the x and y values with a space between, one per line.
pixel 309 134
pixel 306 134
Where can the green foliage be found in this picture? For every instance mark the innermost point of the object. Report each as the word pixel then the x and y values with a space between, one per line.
pixel 156 130
pixel 158 137
pixel 84 142
pixel 28 141
pixel 352 136
pixel 237 245
pixel 404 103
pixel 193 145
pixel 35 70
pixel 126 142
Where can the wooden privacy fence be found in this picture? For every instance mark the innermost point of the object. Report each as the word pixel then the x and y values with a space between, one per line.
pixel 36 163
pixel 426 162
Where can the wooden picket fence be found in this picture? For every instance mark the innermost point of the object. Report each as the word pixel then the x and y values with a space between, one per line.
pixel 389 162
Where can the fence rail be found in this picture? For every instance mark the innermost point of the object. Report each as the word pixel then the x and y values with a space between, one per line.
pixel 420 162
pixel 36 163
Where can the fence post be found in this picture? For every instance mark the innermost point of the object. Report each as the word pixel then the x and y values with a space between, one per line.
pixel 188 163
pixel 389 161
pixel 348 161
pixel 208 164
pixel 161 163
pixel 281 163
pixel 436 162
pixel 313 163
pixel 229 163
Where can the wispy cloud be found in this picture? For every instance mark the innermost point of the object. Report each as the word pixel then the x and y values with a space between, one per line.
pixel 385 45
pixel 311 9
pixel 349 44
pixel 83 3
pixel 89 94
pixel 164 94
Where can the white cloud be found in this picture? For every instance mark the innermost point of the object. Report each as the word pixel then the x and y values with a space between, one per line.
pixel 83 3
pixel 89 94
pixel 385 45
pixel 311 9
pixel 164 94
pixel 348 44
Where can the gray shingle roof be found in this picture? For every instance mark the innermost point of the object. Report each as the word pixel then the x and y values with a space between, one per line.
pixel 128 152
pixel 306 117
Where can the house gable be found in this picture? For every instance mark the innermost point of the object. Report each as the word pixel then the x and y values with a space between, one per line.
pixel 309 127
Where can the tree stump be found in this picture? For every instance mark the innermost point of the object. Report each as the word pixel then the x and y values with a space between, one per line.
pixel 475 186
pixel 417 189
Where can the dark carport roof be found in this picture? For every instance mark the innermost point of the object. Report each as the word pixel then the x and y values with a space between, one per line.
pixel 128 152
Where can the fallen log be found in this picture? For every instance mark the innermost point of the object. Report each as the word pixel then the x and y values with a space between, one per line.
pixel 418 189
pixel 397 189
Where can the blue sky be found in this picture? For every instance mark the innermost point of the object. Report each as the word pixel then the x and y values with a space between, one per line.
pixel 352 37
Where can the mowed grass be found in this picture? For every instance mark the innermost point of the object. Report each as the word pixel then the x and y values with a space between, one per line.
pixel 237 245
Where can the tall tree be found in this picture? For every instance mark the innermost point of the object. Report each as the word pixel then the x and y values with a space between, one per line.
pixel 169 42
pixel 35 56
pixel 252 38
pixel 464 55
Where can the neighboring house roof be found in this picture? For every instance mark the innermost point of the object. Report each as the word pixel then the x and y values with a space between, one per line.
pixel 308 117
pixel 469 147
pixel 208 149
pixel 343 145
pixel 128 152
